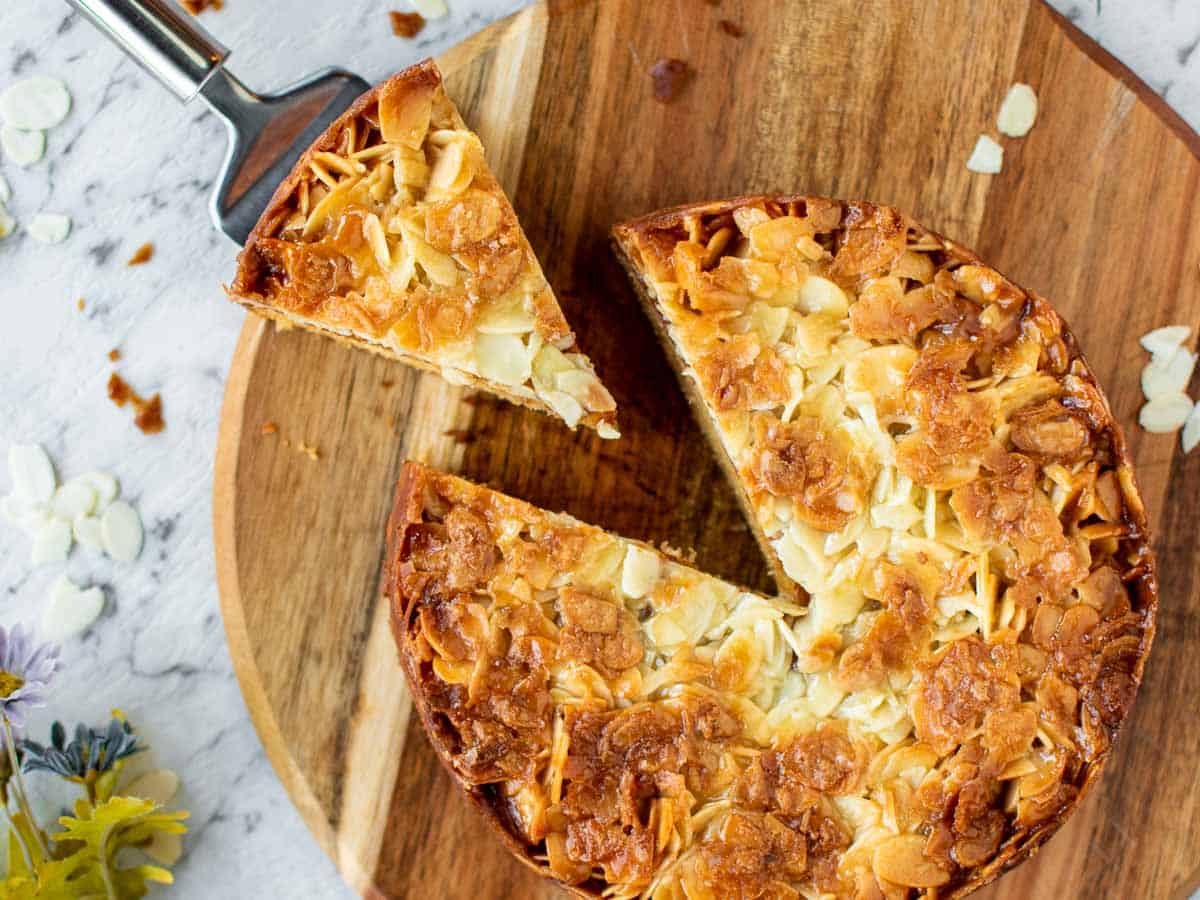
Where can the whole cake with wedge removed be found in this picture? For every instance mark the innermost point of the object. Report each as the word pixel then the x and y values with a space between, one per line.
pixel 967 591
pixel 392 234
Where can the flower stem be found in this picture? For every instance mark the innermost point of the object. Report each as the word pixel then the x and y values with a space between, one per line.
pixel 12 826
pixel 109 888
pixel 19 783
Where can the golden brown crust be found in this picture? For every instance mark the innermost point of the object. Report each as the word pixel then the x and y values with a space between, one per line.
pixel 392 233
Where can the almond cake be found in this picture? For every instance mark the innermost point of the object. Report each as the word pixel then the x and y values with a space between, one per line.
pixel 392 234
pixel 967 594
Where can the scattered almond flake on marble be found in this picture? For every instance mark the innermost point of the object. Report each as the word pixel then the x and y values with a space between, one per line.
pixel 159 785
pixel 121 531
pixel 105 486
pixel 24 514
pixel 5 190
pixel 35 104
pixel 88 533
pixel 1165 340
pixel 49 228
pixel 51 543
pixel 70 610
pixel 987 158
pixel 1163 376
pixel 31 472
pixel 1164 415
pixel 430 9
pixel 7 223
pixel 75 498
pixel 1018 111
pixel 23 147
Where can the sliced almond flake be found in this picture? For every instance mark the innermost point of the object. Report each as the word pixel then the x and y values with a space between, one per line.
pixel 35 104
pixel 70 610
pixel 7 223
pixel 103 484
pixel 5 190
pixel 1163 377
pixel 121 530
pixel 1165 414
pixel 1018 112
pixel 73 499
pixel 640 571
pixel 503 358
pixel 1165 340
pixel 430 9
pixel 987 158
pixel 567 407
pixel 49 228
pixel 26 515
pixel 51 543
pixel 22 147
pixel 32 472
pixel 88 533
pixel 1191 430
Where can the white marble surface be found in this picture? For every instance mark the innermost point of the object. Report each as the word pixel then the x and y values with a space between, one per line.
pixel 131 165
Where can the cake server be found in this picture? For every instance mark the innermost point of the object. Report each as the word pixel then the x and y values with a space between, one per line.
pixel 267 132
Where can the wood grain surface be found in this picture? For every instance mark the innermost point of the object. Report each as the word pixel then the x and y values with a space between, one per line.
pixel 1095 209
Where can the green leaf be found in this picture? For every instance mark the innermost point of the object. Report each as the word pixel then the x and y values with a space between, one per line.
pixel 101 832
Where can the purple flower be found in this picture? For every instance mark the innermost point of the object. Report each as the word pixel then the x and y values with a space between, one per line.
pixel 25 673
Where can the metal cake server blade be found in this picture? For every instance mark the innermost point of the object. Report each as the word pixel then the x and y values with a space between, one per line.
pixel 267 132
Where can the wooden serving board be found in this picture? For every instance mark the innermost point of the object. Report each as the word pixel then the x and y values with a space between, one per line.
pixel 1095 208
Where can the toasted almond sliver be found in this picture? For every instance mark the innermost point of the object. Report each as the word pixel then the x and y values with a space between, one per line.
pixel 1165 414
pixel 32 472
pixel 22 147
pixel 987 158
pixel 1018 112
pixel 1165 340
pixel 502 358
pixel 35 104
pixel 49 228
pixel 640 571
pixel 121 530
